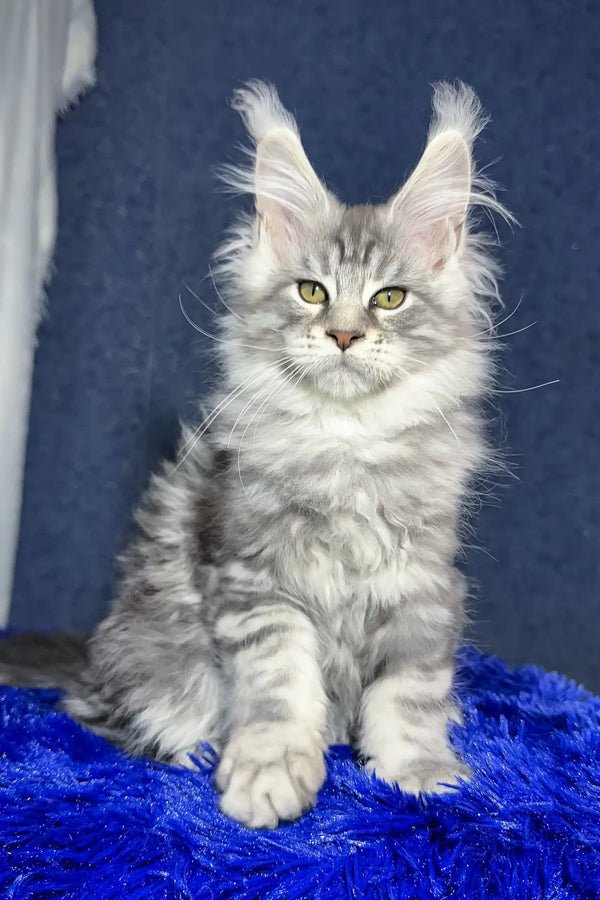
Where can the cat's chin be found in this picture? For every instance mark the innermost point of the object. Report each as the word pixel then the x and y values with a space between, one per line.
pixel 348 383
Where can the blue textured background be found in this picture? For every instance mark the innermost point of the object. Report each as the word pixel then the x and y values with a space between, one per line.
pixel 79 820
pixel 117 364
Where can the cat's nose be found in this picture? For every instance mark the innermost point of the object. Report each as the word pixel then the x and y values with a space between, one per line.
pixel 344 338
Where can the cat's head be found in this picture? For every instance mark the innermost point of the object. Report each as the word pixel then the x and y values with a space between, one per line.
pixel 355 299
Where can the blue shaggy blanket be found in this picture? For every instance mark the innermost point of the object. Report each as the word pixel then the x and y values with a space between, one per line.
pixel 80 820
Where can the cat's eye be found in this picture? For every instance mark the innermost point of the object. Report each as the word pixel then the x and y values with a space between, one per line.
pixel 389 298
pixel 312 292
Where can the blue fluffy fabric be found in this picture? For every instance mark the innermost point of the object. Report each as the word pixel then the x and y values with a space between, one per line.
pixel 80 820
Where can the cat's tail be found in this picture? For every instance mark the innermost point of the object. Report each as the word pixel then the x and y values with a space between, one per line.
pixel 37 660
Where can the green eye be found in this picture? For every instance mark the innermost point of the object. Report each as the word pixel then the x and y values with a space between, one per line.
pixel 389 298
pixel 312 292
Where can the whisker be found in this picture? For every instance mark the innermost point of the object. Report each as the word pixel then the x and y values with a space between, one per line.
pixel 203 428
pixel 285 369
pixel 502 321
pixel 304 370
pixel 199 299
pixel 438 407
pixel 276 390
pixel 220 296
pixel 501 337
pixel 273 394
pixel 216 412
pixel 534 387
pixel 217 292
pixel 221 340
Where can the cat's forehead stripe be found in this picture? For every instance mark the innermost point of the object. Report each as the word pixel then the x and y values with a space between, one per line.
pixel 341 248
pixel 370 246
pixel 352 246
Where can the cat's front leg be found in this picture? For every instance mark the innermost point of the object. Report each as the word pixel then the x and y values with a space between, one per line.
pixel 273 765
pixel 408 703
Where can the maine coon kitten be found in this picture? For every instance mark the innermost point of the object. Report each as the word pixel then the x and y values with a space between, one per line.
pixel 293 583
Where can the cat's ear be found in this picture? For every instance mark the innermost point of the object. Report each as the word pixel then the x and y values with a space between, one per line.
pixel 431 208
pixel 287 191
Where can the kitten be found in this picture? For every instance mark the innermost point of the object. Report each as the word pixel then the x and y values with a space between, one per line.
pixel 293 583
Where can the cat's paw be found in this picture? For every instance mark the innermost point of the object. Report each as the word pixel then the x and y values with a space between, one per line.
pixel 270 773
pixel 426 776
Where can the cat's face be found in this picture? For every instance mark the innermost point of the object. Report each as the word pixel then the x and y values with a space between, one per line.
pixel 350 308
pixel 352 299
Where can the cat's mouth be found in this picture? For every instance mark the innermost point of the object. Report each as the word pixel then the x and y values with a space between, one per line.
pixel 342 362
pixel 346 375
pixel 350 362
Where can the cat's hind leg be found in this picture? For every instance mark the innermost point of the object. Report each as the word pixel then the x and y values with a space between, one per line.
pixel 152 684
pixel 152 688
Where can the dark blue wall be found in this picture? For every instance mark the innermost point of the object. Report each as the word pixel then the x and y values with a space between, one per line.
pixel 117 364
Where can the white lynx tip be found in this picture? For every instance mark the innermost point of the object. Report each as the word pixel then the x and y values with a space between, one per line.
pixel 261 109
pixel 456 107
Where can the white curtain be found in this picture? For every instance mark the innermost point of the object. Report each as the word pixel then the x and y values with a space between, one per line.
pixel 47 52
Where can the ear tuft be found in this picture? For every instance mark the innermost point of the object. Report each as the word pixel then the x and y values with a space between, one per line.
pixel 456 107
pixel 261 109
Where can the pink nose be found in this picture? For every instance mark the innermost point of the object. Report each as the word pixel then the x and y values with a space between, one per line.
pixel 344 338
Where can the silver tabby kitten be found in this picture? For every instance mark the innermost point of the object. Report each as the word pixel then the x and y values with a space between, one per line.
pixel 293 584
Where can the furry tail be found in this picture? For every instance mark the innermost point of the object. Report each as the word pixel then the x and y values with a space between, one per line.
pixel 43 660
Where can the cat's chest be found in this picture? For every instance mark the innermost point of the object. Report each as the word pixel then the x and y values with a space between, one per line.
pixel 342 520
pixel 329 510
pixel 354 475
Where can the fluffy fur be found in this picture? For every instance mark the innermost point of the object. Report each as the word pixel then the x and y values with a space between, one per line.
pixel 293 584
